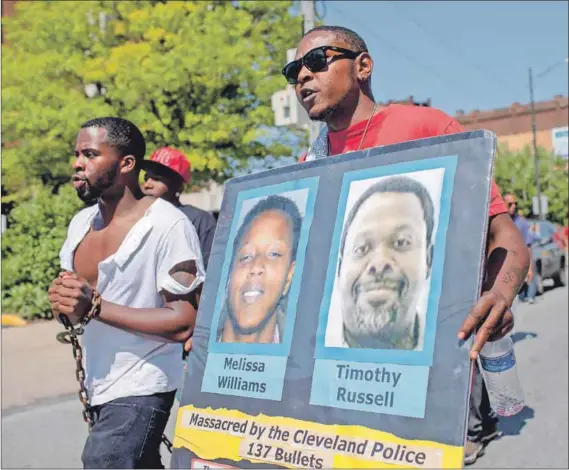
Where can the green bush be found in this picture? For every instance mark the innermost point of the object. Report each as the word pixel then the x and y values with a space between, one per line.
pixel 514 172
pixel 30 250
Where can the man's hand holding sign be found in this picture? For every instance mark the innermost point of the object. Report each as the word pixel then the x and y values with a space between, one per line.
pixel 506 270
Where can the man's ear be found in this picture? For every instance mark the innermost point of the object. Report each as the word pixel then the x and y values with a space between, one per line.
pixel 364 67
pixel 429 259
pixel 128 164
pixel 289 278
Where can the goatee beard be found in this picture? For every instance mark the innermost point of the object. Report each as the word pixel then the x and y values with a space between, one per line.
pixel 373 322
pixel 89 193
pixel 325 115
pixel 87 196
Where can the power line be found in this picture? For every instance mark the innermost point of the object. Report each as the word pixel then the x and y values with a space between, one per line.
pixel 417 23
pixel 320 15
pixel 398 51
pixel 550 68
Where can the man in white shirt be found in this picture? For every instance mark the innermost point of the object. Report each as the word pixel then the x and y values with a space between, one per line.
pixel 132 263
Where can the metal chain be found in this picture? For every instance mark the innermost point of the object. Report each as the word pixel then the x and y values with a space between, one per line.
pixel 167 443
pixel 70 337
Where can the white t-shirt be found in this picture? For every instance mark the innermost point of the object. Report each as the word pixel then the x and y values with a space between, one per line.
pixel 121 363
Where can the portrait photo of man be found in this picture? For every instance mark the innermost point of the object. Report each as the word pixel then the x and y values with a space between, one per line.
pixel 380 293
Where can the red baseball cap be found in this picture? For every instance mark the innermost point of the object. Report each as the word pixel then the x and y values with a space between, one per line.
pixel 172 159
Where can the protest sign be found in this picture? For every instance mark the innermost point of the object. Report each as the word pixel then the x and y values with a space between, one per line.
pixel 327 330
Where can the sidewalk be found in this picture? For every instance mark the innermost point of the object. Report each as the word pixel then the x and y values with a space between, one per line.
pixel 35 366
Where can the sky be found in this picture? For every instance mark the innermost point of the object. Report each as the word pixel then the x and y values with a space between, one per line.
pixel 463 55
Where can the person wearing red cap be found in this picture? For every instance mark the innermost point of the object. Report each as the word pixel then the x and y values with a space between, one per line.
pixel 166 173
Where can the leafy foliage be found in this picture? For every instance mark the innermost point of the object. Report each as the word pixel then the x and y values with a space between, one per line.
pixel 30 250
pixel 197 75
pixel 515 172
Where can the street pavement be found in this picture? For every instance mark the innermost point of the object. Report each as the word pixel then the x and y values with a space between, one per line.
pixel 537 437
pixel 41 415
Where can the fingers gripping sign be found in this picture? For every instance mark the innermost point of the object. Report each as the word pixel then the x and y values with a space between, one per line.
pixel 506 269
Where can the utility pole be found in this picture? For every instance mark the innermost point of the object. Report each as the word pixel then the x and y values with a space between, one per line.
pixel 540 203
pixel 288 110
pixel 308 13
pixel 309 19
pixel 541 215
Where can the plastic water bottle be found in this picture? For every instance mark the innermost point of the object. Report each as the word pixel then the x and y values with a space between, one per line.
pixel 498 365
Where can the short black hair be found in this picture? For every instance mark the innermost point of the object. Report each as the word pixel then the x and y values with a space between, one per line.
pixel 121 134
pixel 278 203
pixel 396 184
pixel 352 38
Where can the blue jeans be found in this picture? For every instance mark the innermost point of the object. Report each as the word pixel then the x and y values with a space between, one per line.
pixel 482 420
pixel 529 291
pixel 127 431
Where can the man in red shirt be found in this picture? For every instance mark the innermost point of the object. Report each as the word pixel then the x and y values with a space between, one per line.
pixel 332 79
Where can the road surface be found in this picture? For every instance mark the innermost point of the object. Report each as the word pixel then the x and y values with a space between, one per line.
pixel 39 432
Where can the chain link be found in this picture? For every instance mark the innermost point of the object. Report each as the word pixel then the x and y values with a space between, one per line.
pixel 70 337
pixel 167 443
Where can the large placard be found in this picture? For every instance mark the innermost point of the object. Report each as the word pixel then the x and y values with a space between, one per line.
pixel 327 330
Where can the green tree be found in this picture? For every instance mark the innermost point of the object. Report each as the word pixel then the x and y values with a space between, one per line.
pixel 515 172
pixel 197 75
pixel 30 250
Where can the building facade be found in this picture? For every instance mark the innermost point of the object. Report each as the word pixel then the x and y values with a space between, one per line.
pixel 207 199
pixel 513 125
pixel 411 101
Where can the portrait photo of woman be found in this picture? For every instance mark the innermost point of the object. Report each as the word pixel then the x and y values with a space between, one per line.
pixel 261 270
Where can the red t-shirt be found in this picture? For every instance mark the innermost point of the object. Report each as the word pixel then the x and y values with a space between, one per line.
pixel 398 123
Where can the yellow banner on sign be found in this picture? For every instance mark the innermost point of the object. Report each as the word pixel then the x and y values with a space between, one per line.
pixel 230 434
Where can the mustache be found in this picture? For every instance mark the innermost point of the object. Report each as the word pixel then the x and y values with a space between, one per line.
pixel 398 283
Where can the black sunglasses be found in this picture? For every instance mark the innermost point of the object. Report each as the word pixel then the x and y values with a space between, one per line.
pixel 315 60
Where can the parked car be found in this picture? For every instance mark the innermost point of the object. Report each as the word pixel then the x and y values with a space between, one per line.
pixel 548 254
